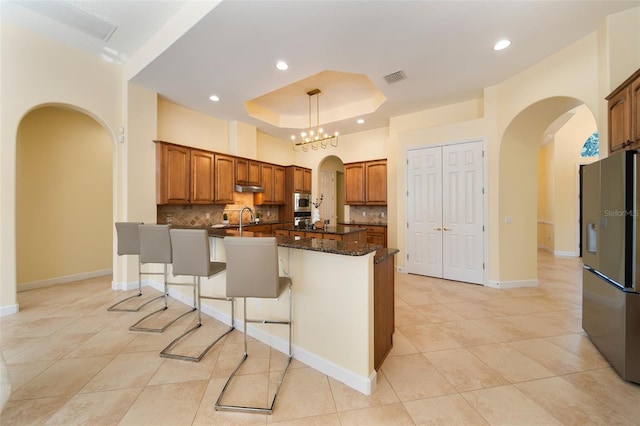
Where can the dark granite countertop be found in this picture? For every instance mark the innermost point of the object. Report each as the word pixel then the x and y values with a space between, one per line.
pixel 313 244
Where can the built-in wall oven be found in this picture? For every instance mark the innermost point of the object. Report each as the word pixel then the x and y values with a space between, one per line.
pixel 301 209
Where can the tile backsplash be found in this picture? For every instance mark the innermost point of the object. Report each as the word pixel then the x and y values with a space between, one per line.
pixel 196 214
pixel 371 215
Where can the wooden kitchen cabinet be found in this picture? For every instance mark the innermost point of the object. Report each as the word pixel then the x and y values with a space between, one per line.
pixel 173 169
pixel 624 115
pixel 273 181
pixel 365 183
pixel 377 235
pixel 301 179
pixel 202 171
pixel 383 310
pixel 224 179
pixel 247 172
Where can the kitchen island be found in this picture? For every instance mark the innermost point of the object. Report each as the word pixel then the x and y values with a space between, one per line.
pixel 343 315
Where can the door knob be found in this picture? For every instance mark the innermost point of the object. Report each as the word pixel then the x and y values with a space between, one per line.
pixel 437 229
pixel 448 229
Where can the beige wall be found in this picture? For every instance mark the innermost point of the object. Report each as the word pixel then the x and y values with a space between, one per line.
pixel 545 197
pixel 38 72
pixel 63 196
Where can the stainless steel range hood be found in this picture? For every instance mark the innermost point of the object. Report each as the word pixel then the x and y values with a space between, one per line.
pixel 249 188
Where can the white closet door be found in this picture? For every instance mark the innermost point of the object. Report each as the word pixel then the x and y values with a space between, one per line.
pixel 462 212
pixel 424 212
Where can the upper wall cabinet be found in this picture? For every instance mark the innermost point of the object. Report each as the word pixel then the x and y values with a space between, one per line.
pixel 624 115
pixel 273 180
pixel 173 169
pixel 224 179
pixel 365 183
pixel 301 179
pixel 247 172
pixel 192 176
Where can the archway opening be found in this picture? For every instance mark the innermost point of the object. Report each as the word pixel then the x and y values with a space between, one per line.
pixel 64 197
pixel 518 188
pixel 331 189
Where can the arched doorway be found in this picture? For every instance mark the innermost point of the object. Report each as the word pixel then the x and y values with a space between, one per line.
pixel 64 197
pixel 518 189
pixel 331 187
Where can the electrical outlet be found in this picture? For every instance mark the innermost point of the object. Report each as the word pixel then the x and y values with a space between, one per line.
pixel 382 214
pixel 364 214
pixel 207 215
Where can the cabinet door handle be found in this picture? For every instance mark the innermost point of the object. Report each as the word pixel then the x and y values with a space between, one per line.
pixel 437 229
pixel 448 229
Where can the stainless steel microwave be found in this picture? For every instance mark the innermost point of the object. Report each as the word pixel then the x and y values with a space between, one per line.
pixel 301 202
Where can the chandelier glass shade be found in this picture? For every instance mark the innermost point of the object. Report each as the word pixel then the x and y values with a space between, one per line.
pixel 314 136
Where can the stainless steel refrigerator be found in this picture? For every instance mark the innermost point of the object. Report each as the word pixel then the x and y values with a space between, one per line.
pixel 611 257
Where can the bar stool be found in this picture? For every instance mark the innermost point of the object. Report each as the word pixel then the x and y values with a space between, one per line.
pixel 191 256
pixel 252 271
pixel 129 244
pixel 155 247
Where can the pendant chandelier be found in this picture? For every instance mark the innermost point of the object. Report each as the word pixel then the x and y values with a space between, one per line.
pixel 314 136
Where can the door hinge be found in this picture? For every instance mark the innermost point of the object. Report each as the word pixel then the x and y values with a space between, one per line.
pixel 482 228
pixel 483 153
pixel 482 265
pixel 407 224
pixel 483 189
pixel 407 256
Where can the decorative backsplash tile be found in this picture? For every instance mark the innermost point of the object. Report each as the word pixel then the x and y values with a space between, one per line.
pixel 373 215
pixel 196 215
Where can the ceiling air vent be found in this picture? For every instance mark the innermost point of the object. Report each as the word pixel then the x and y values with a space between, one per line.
pixel 395 77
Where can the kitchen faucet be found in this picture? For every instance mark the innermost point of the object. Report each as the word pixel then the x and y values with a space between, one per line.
pixel 252 219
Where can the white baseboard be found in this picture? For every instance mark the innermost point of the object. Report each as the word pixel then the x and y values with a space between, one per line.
pixel 9 310
pixel 512 284
pixel 565 253
pixel 63 280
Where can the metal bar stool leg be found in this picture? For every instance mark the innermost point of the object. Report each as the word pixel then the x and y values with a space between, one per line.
pixel 166 352
pixel 269 409
pixel 138 327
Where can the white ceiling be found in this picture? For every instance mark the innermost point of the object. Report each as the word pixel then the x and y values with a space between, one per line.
pixel 443 47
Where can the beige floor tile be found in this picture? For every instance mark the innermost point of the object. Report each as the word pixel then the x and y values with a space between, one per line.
pixel 470 310
pixel 429 337
pixel 304 393
pixel 415 297
pixel 175 371
pixel 99 408
pixel 408 316
pixel 437 313
pixel 50 348
pixel 64 377
pixel 29 412
pixel 350 399
pixel 109 342
pixel 569 404
pixel 125 371
pixel 401 345
pixel 413 377
pixel 556 359
pixel 323 420
pixel 21 373
pixel 464 370
pixel 391 415
pixel 172 404
pixel 605 386
pixel 580 345
pixel 509 363
pixel 467 333
pixel 506 405
pixel 444 410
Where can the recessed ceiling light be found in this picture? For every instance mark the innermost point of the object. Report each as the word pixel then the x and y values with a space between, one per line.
pixel 214 98
pixel 360 120
pixel 282 66
pixel 502 44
